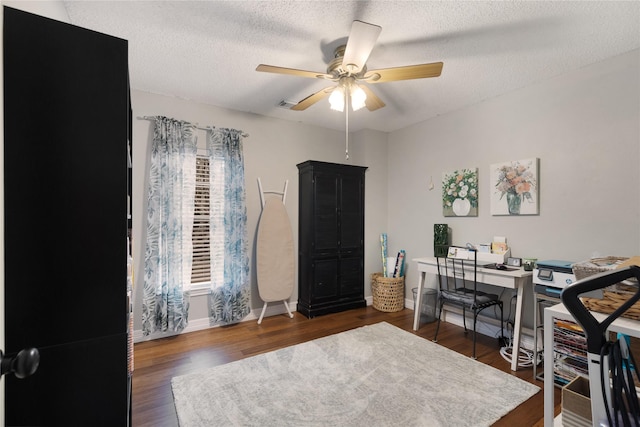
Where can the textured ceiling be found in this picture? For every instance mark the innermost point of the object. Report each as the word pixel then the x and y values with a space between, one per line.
pixel 207 51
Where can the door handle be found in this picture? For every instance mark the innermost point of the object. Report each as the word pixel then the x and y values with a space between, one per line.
pixel 22 365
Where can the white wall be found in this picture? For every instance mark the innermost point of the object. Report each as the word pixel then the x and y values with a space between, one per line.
pixel 272 150
pixel 371 147
pixel 585 129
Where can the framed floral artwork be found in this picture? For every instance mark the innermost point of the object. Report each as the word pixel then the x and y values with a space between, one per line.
pixel 514 187
pixel 460 193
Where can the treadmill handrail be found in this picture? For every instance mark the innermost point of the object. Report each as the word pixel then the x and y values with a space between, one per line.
pixel 594 330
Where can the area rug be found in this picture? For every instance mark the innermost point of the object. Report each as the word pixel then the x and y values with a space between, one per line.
pixel 377 375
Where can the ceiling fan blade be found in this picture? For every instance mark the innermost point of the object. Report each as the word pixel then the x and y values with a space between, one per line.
pixel 312 99
pixel 372 102
pixel 409 72
pixel 292 71
pixel 362 38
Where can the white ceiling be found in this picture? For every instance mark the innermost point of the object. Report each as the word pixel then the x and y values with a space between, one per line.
pixel 207 51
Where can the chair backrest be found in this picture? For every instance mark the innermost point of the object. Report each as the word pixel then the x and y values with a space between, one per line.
pixel 458 270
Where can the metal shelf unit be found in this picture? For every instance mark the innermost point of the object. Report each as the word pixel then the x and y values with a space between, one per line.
pixel 569 344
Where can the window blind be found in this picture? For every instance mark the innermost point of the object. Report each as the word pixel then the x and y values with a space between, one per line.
pixel 201 236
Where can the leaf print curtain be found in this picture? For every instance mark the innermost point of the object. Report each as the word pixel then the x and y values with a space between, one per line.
pixel 170 211
pixel 229 296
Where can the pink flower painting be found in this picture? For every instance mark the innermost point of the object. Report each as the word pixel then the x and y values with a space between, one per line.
pixel 515 187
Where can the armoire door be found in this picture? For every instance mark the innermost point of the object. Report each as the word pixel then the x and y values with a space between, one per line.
pixel 325 213
pixel 351 213
pixel 66 118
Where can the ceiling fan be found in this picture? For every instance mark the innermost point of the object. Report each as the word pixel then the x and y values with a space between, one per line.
pixel 348 69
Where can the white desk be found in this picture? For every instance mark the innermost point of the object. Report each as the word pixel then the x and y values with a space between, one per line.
pixel 559 311
pixel 518 280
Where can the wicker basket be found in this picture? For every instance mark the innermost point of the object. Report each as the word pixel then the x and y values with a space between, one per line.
pixel 388 292
pixel 596 265
pixel 612 296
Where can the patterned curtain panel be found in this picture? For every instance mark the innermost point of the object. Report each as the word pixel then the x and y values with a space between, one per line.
pixel 170 211
pixel 230 294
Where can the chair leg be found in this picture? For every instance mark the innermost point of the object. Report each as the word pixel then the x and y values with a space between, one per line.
pixel 475 319
pixel 501 321
pixel 435 338
pixel 464 319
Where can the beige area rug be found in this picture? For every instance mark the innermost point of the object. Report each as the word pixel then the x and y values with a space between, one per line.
pixel 377 375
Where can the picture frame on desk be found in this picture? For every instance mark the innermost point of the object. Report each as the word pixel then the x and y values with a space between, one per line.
pixel 514 262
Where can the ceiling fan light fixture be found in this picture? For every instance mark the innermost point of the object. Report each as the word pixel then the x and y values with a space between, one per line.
pixel 336 100
pixel 358 97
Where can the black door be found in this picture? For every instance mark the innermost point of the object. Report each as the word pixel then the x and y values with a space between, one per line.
pixel 65 185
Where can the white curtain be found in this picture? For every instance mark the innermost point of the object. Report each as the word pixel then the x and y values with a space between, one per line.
pixel 230 294
pixel 168 252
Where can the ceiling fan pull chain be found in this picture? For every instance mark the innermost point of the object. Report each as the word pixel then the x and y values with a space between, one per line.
pixel 346 127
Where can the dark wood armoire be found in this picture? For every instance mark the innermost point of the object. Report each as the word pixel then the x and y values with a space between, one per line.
pixel 66 126
pixel 331 238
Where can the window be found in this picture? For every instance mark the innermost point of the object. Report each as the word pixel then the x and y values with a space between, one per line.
pixel 208 245
pixel 200 269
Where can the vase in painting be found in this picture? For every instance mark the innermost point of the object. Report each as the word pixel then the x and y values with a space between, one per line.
pixel 514 201
pixel 461 207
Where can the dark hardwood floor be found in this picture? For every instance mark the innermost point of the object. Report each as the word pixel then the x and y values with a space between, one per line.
pixel 156 362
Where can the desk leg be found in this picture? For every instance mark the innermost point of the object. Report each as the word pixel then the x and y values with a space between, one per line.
pixel 549 404
pixel 418 302
pixel 517 327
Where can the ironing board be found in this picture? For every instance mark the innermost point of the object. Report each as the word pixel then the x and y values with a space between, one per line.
pixel 596 332
pixel 275 259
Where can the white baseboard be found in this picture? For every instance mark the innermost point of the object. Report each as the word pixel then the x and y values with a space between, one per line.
pixel 486 326
pixel 203 323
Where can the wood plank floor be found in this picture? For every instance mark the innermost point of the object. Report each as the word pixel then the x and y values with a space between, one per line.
pixel 156 362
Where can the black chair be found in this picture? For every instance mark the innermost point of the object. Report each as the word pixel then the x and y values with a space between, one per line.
pixel 457 276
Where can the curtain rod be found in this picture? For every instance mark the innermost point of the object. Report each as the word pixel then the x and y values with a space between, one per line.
pixel 195 125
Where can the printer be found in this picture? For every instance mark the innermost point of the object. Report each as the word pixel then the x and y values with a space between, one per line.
pixel 550 277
